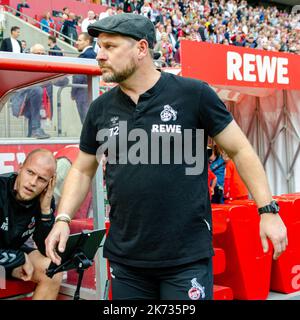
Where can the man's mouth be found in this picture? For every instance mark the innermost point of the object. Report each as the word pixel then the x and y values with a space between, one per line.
pixel 28 190
pixel 104 67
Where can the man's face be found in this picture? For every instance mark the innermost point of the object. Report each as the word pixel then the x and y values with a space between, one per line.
pixel 33 177
pixel 16 33
pixel 91 15
pixel 39 51
pixel 116 57
pixel 82 43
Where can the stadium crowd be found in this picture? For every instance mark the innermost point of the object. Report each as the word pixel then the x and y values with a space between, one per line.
pixel 232 22
pixel 225 22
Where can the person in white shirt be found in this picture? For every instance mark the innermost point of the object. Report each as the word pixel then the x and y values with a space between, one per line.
pixel 12 44
pixel 109 12
pixel 87 21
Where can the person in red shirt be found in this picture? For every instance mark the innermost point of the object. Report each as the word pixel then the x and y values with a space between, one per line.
pixel 234 187
pixel 212 181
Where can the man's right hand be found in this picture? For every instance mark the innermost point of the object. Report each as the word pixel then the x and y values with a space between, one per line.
pixel 57 240
pixel 25 271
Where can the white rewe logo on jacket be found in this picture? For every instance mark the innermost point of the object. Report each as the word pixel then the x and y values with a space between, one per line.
pixel 167 114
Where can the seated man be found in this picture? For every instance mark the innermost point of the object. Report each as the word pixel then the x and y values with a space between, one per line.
pixel 27 208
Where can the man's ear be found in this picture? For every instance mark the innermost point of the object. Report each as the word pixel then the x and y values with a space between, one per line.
pixel 143 48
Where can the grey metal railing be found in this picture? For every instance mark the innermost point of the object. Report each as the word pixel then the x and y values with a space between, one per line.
pixel 59 92
pixel 62 51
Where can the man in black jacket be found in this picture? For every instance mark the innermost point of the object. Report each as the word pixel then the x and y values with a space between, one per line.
pixel 12 44
pixel 27 208
pixel 80 95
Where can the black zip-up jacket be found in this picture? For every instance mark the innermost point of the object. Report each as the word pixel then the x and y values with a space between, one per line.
pixel 18 221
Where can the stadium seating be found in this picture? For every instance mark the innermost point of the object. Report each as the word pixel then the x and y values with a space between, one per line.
pixel 248 268
pixel 219 259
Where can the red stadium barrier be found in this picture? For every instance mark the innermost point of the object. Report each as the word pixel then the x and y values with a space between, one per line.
pixel 16 288
pixel 219 220
pixel 248 268
pixel 222 293
pixel 219 261
pixel 285 270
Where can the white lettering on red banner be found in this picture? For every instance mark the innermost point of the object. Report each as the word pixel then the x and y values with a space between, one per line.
pixel 255 67
pixel 9 161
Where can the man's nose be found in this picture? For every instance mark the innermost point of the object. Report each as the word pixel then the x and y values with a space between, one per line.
pixel 33 180
pixel 101 55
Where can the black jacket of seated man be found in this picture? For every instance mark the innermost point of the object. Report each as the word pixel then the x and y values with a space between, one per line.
pixel 18 221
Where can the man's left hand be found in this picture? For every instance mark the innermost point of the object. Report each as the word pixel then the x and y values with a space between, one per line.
pixel 46 196
pixel 272 227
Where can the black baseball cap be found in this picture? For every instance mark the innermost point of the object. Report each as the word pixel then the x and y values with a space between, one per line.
pixel 127 24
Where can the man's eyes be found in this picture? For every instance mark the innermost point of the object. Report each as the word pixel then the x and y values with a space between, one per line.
pixel 40 178
pixel 106 46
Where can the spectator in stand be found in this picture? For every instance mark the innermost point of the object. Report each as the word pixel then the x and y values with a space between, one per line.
pixel 238 40
pixel 109 12
pixel 146 9
pixel 172 37
pixel 163 16
pixel 54 50
pixel 72 21
pixel 21 5
pixel 80 95
pixel 69 28
pixel 66 11
pixel 217 166
pixel 234 187
pixel 128 6
pixel 178 20
pixel 88 20
pixel 64 30
pixel 250 41
pixel 12 44
pixel 165 48
pixel 154 17
pixel 159 29
pixel 119 9
pixel 47 22
pixel 203 30
pixel 212 181
pixel 24 47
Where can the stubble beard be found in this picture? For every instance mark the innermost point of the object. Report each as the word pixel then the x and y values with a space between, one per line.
pixel 120 76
